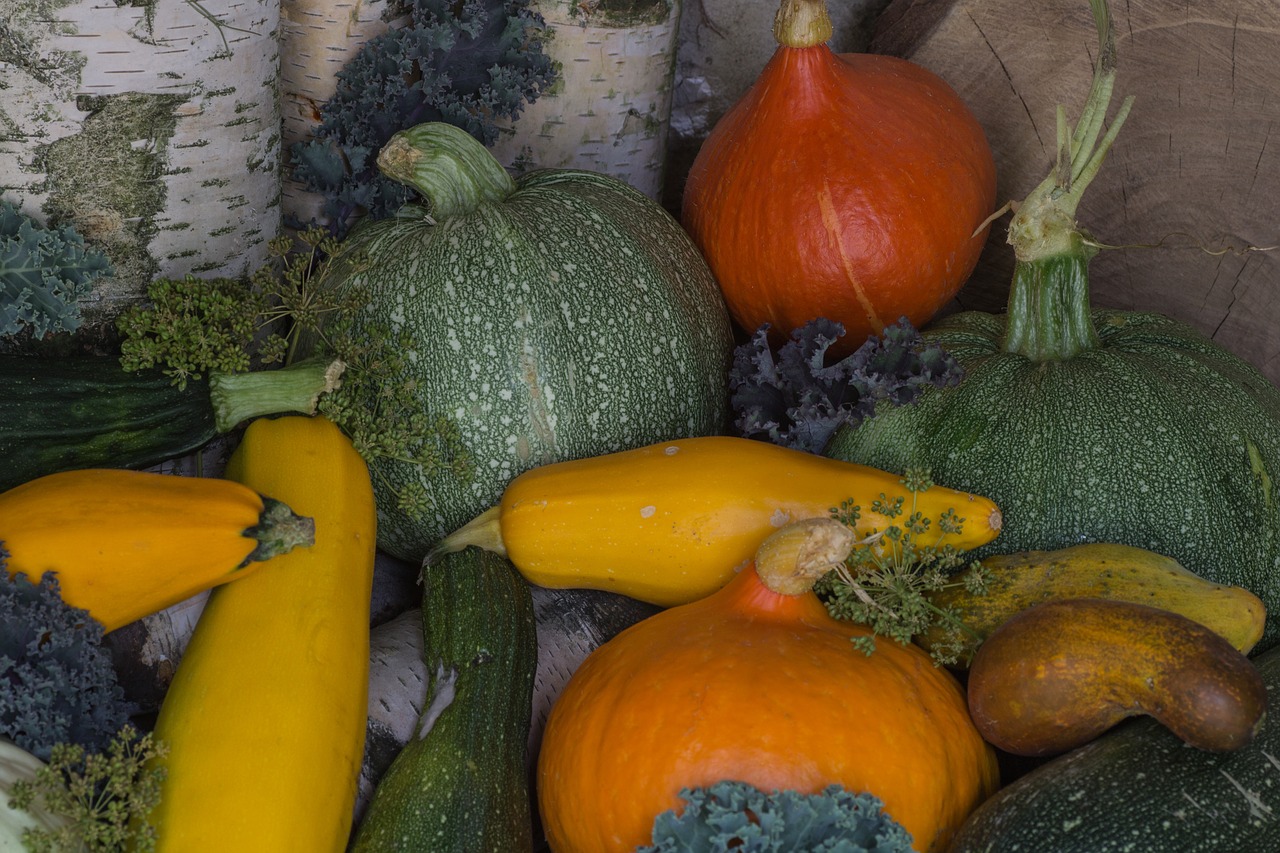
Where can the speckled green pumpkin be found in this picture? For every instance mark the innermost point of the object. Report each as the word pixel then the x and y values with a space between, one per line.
pixel 1139 789
pixel 557 316
pixel 1157 438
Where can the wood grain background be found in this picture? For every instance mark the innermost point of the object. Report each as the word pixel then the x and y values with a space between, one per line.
pixel 1196 168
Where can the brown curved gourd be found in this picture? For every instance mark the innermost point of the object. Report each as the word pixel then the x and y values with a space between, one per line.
pixel 1060 674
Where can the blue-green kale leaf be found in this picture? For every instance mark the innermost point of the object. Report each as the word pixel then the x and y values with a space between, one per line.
pixel 465 62
pixel 734 817
pixel 795 399
pixel 57 682
pixel 44 272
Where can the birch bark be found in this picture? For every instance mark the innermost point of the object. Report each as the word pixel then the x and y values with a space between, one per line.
pixel 317 38
pixel 611 107
pixel 152 126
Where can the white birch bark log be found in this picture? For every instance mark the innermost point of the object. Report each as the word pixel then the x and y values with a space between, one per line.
pixel 611 107
pixel 152 126
pixel 317 38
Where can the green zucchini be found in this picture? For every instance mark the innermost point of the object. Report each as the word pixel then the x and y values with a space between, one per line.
pixel 460 784
pixel 63 414
pixel 1139 789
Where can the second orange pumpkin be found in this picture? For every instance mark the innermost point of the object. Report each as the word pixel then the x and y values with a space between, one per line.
pixel 763 687
pixel 847 186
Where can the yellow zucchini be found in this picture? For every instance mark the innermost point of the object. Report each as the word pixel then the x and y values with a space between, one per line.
pixel 265 719
pixel 126 544
pixel 1106 570
pixel 672 522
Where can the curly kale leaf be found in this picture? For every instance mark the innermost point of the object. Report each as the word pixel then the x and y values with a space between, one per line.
pixel 733 817
pixel 44 272
pixel 795 399
pixel 467 63
pixel 57 684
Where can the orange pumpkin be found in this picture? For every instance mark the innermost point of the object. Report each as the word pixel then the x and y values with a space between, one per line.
pixel 846 186
pixel 764 687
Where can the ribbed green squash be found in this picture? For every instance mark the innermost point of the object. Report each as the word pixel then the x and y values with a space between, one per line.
pixel 1139 789
pixel 1096 426
pixel 557 316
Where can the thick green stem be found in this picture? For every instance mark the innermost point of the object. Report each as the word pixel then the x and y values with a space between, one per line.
pixel 237 397
pixel 1049 316
pixel 1048 313
pixel 447 166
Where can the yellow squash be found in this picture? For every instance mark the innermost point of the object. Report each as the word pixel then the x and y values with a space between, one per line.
pixel 672 522
pixel 1016 582
pixel 126 544
pixel 265 718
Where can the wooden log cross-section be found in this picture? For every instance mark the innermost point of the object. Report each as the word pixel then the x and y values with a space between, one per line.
pixel 1195 169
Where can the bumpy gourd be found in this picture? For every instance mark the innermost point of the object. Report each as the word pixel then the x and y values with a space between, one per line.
pixel 757 683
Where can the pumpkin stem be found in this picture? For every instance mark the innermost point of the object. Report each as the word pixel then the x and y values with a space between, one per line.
pixel 802 23
pixel 279 530
pixel 792 559
pixel 447 166
pixel 238 397
pixel 1048 313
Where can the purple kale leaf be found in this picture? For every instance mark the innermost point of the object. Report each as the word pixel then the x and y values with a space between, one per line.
pixel 792 397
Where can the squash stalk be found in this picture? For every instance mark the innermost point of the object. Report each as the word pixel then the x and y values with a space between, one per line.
pixel 447 166
pixel 238 397
pixel 1049 313
pixel 802 23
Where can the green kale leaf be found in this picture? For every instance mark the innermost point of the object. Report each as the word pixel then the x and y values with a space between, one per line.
pixel 44 272
pixel 467 63
pixel 793 398
pixel 734 817
pixel 57 683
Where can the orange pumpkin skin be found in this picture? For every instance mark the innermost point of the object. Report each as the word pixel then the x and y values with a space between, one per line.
pixel 750 685
pixel 845 186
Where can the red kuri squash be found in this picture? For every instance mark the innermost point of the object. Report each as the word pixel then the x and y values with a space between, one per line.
pixel 758 684
pixel 848 186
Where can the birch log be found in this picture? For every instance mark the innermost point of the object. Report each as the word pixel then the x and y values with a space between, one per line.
pixel 610 108
pixel 317 38
pixel 151 126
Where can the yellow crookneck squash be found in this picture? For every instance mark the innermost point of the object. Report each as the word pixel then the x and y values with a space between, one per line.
pixel 265 719
pixel 126 544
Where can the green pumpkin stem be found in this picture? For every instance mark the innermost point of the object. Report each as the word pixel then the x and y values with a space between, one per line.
pixel 1048 314
pixel 447 166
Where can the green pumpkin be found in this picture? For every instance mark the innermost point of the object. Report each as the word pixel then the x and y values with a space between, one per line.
pixel 557 316
pixel 1095 426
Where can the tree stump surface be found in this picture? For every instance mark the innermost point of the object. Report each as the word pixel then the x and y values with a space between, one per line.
pixel 1195 171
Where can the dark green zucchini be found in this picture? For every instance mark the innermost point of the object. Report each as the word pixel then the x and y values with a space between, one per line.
pixel 68 413
pixel 1139 789
pixel 459 785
